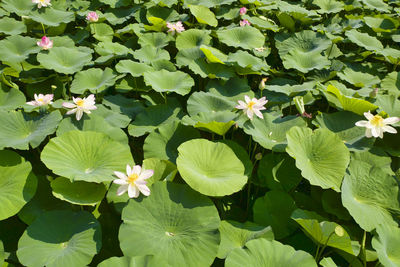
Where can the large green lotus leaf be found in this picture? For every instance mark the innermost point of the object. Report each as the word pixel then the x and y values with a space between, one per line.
pixel 120 15
pixel 11 26
pixel 19 7
pixel 86 156
pixel 364 40
pixel 242 154
pixel 224 89
pixel 207 102
pixel 270 132
pixel 148 54
pixel 278 172
pixel 95 80
pixel 245 60
pixel 153 117
pixel 65 60
pixel 205 69
pixel 386 243
pixel 266 253
pixel 113 116
pixel 369 193
pixel 382 23
pixel 19 130
pixel 343 124
pixel 389 104
pixel 17 187
pixel 244 37
pixel 93 123
pixel 358 78
pixel 377 5
pixel 52 17
pixel 356 105
pixel 305 62
pixel 163 142
pixel 328 6
pixel 327 262
pixel 2 254
pixel 163 170
pixel 215 122
pixel 135 69
pixel 322 232
pixel 11 98
pixel 175 224
pixel 209 3
pixel 167 81
pixel 79 192
pixel 392 83
pixel 156 39
pixel 213 55
pixel 332 203
pixel 138 261
pixel 203 15
pixel 15 49
pixel 261 23
pixel 213 169
pixel 274 209
pixel 235 235
pixel 192 38
pixel 321 156
pixel 102 32
pixel 60 238
pixel 116 3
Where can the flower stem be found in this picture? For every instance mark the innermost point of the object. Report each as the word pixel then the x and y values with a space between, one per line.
pixel 44 31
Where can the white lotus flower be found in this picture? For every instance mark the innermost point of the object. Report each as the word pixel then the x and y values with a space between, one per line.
pixel 376 125
pixel 41 100
pixel 133 181
pixel 41 3
pixel 252 106
pixel 81 105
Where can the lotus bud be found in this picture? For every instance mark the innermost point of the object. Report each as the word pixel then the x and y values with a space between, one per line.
pixel 242 11
pixel 374 92
pixel 258 156
pixel 261 86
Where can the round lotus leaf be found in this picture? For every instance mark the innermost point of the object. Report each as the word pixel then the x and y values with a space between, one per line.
pixel 11 99
pixel 192 38
pixel 156 39
pixel 244 37
pixel 262 253
pixel 175 224
pixel 112 116
pixel 321 156
pixel 52 17
pixel 19 7
pixel 205 69
pixel 203 15
pixel 389 104
pixel 11 26
pixel 392 83
pixel 163 142
pixel 19 130
pixel 166 81
pixel 15 49
pixel 93 123
pixel 358 78
pixel 364 40
pixel 124 261
pixel 207 102
pixel 95 80
pixel 328 6
pixel 369 193
pixel 246 60
pixel 60 239
pixel 270 132
pixel 213 169
pixel 209 3
pixel 215 122
pixel 102 32
pixel 65 60
pixel 86 156
pixel 135 69
pixel 148 54
pixel 386 243
pixel 17 187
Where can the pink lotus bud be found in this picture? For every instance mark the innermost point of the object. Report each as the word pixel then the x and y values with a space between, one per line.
pixel 244 23
pixel 242 11
pixel 45 43
pixel 92 16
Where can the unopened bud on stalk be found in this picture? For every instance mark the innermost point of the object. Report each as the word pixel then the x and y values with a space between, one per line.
pixel 261 86
pixel 258 156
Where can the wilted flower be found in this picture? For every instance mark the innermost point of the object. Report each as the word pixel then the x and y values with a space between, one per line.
pixel 252 106
pixel 41 100
pixel 92 16
pixel 244 23
pixel 45 43
pixel 175 27
pixel 133 181
pixel 374 92
pixel 81 105
pixel 41 3
pixel 376 125
pixel 242 11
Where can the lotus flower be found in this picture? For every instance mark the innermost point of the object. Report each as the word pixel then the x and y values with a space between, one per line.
pixel 175 27
pixel 244 23
pixel 376 125
pixel 45 43
pixel 133 181
pixel 242 11
pixel 81 105
pixel 41 100
pixel 41 3
pixel 92 16
pixel 252 106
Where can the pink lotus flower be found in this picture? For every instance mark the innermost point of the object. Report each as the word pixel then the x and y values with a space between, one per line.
pixel 175 27
pixel 244 23
pixel 81 106
pixel 45 43
pixel 41 100
pixel 133 181
pixel 242 11
pixel 41 3
pixel 252 106
pixel 92 16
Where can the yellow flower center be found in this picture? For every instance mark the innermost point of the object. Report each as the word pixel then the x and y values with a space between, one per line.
pixel 251 104
pixel 377 121
pixel 40 99
pixel 80 103
pixel 132 178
